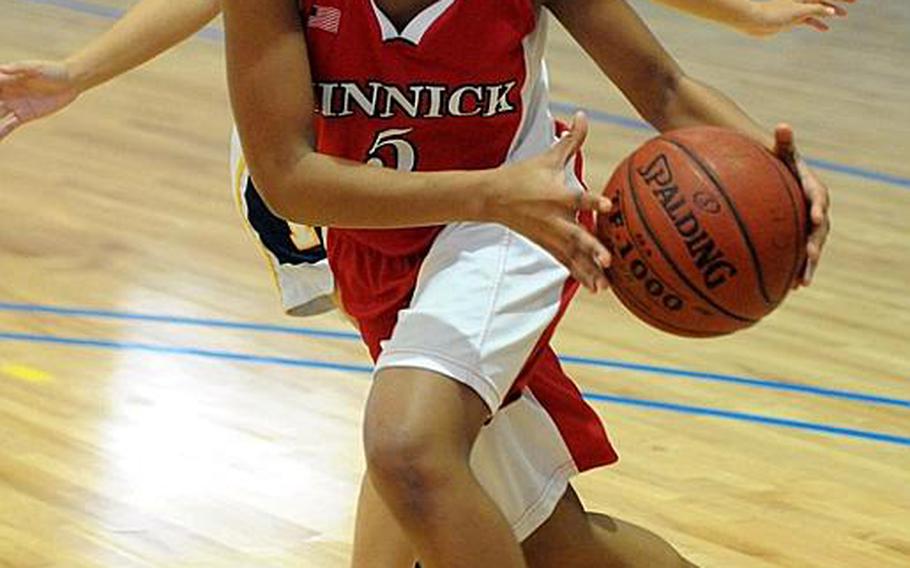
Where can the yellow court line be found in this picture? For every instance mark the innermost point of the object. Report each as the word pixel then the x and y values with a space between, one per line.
pixel 25 373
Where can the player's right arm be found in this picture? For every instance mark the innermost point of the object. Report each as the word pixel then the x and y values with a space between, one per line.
pixel 272 99
pixel 33 89
pixel 763 18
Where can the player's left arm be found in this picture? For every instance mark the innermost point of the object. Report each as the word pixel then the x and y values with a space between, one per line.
pixel 629 54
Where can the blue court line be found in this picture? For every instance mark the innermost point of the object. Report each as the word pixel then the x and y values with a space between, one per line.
pixel 215 34
pixel 366 369
pixel 749 417
pixel 733 379
pixel 191 351
pixel 569 359
pixel 177 320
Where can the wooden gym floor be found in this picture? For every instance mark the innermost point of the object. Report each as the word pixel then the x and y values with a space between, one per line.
pixel 156 408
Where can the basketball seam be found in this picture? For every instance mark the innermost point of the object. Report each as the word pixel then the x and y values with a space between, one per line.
pixel 747 237
pixel 669 259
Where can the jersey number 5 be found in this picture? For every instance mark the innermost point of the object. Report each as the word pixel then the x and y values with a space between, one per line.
pixel 390 149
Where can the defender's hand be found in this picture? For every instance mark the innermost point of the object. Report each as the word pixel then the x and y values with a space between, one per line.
pixel 773 16
pixel 30 90
pixel 532 198
pixel 816 193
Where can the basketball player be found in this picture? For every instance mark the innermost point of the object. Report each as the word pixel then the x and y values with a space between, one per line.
pixel 458 253
pixel 109 62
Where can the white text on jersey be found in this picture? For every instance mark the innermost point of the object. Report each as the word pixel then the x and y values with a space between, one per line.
pixel 380 100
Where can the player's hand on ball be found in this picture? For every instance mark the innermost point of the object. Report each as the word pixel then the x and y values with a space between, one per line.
pixel 816 193
pixel 33 89
pixel 774 16
pixel 533 199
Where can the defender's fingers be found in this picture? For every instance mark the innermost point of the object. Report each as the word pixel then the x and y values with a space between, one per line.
pixel 817 10
pixel 18 70
pixel 837 9
pixel 8 124
pixel 816 24
pixel 7 79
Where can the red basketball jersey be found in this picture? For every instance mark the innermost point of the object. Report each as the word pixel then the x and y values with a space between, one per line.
pixel 462 86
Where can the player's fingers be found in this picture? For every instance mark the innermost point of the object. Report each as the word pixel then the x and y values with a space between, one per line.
pixel 817 238
pixel 562 252
pixel 588 258
pixel 817 241
pixel 785 143
pixel 821 203
pixel 588 274
pixel 816 192
pixel 821 227
pixel 572 140
pixel 808 274
pixel 587 201
pixel 813 258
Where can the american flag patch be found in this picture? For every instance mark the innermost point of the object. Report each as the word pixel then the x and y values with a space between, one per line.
pixel 325 18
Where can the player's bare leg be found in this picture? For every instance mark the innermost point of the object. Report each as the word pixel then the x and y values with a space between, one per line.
pixel 378 538
pixel 572 538
pixel 418 432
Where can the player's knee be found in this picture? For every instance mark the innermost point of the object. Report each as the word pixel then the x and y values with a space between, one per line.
pixel 407 469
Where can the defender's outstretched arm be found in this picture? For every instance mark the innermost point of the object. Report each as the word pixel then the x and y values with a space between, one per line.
pixel 764 18
pixel 33 89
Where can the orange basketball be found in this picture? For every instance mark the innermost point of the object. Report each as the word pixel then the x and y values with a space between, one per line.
pixel 708 232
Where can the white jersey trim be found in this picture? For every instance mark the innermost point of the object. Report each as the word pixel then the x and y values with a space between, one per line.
pixel 417 27
pixel 537 130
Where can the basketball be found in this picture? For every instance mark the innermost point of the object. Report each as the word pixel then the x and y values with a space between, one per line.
pixel 708 232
